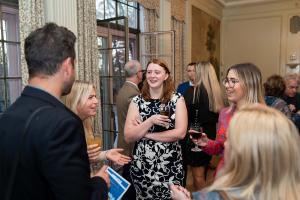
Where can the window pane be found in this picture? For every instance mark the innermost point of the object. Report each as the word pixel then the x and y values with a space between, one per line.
pixel 132 17
pixel 106 84
pixel 13 90
pixel 2 96
pixel 102 42
pixel 100 9
pixel 13 59
pixel 122 9
pixel 110 9
pixel 103 63
pixel 10 27
pixel 2 63
pixel 118 61
pixel 117 84
pixel 105 89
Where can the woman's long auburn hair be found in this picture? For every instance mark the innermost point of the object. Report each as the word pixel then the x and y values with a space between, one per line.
pixel 168 85
pixel 261 156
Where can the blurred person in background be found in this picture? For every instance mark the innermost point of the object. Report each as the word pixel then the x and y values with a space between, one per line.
pixel 190 70
pixel 291 95
pixel 204 99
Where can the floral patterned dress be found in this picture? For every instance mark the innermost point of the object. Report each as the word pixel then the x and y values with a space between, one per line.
pixel 156 164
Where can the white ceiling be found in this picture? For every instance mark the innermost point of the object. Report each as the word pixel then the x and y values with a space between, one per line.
pixel 246 2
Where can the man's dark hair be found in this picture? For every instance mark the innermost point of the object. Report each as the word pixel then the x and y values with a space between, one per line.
pixel 47 47
pixel 192 63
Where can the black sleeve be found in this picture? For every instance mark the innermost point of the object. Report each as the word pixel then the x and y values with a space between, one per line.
pixel 65 164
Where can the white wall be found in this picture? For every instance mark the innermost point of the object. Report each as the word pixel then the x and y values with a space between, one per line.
pixel 260 34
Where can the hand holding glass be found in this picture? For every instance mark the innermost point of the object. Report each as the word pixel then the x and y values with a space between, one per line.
pixel 164 110
pixel 94 140
pixel 196 133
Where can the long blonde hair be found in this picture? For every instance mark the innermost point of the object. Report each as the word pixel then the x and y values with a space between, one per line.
pixel 77 98
pixel 205 74
pixel 262 156
pixel 250 79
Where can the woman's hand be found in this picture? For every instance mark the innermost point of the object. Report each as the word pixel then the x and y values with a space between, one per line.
pixel 179 193
pixel 103 174
pixel 93 153
pixel 202 141
pixel 116 156
pixel 160 120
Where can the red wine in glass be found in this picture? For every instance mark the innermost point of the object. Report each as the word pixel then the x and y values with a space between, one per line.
pixel 196 135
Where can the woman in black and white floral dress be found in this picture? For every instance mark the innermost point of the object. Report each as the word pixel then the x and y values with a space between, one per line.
pixel 157 157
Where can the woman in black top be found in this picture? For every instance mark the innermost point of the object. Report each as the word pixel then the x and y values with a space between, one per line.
pixel 204 101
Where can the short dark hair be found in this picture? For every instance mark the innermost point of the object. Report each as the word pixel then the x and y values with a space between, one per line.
pixel 47 47
pixel 191 64
pixel 274 86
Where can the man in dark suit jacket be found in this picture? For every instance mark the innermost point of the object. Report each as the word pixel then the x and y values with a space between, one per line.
pixel 53 161
pixel 134 75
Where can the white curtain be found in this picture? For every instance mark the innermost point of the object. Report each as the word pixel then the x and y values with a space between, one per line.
pixel 31 14
pixel 88 55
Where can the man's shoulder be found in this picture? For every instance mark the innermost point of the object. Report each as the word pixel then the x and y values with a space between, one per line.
pixel 184 84
pixel 24 107
pixel 127 92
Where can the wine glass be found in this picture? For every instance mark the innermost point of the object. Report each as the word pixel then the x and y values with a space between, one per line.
pixel 164 110
pixel 196 135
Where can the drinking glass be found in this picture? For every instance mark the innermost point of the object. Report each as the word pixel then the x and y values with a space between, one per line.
pixel 197 135
pixel 90 140
pixel 164 110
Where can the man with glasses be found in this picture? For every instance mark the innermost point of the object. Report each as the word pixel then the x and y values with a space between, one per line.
pixel 182 88
pixel 134 75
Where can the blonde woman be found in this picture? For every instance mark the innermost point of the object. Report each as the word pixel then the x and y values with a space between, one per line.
pixel 243 84
pixel 83 101
pixel 262 158
pixel 204 102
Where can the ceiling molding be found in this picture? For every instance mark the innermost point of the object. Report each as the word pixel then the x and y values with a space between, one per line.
pixel 229 3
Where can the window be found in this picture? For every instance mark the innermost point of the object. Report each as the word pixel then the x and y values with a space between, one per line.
pixel 10 67
pixel 117 23
pixel 106 9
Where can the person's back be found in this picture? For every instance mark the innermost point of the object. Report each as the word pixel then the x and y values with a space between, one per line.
pixel 40 147
pixel 125 94
pixel 134 75
pixel 48 159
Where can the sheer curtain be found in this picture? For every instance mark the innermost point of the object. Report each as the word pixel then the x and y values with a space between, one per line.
pixel 31 15
pixel 178 17
pixel 178 26
pixel 88 55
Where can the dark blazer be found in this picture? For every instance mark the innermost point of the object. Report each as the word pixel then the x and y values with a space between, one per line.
pixel 124 97
pixel 53 162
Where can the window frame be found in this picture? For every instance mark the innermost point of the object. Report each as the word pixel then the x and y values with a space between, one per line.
pixel 9 95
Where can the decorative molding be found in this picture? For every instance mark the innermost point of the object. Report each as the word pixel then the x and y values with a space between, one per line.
pixel 178 9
